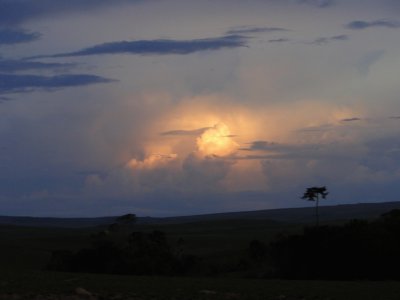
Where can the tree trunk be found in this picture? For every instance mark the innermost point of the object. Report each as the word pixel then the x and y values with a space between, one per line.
pixel 316 211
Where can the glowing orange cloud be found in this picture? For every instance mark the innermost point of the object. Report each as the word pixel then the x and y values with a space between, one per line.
pixel 214 125
pixel 151 162
pixel 217 141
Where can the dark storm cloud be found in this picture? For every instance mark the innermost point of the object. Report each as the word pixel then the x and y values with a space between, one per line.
pixel 159 47
pixel 12 65
pixel 14 12
pixel 15 36
pixel 251 29
pixel 194 132
pixel 326 40
pixel 11 83
pixel 358 25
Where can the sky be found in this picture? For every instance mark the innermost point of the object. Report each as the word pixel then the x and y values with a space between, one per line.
pixel 179 107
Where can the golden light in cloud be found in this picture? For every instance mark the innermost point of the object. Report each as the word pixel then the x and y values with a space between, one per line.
pixel 151 161
pixel 181 141
pixel 217 140
pixel 155 154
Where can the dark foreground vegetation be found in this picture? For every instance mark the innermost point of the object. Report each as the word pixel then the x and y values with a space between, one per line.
pixel 356 250
pixel 367 250
pixel 228 259
pixel 140 254
pixel 42 285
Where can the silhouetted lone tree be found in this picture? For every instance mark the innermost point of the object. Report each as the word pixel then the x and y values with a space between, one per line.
pixel 122 222
pixel 127 219
pixel 314 194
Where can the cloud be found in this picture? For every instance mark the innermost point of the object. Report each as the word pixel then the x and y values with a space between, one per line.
pixel 158 47
pixel 10 83
pixel 318 128
pixel 3 99
pixel 178 132
pixel 318 41
pixel 351 119
pixel 164 174
pixel 280 40
pixel 371 164
pixel 318 3
pixel 326 40
pixel 364 64
pixel 251 29
pixel 283 151
pixel 204 173
pixel 16 36
pixel 217 141
pixel 260 145
pixel 13 65
pixel 19 11
pixel 358 25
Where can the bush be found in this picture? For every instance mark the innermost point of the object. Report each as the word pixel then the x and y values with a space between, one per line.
pixel 357 250
pixel 141 254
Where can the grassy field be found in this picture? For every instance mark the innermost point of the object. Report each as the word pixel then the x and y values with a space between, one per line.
pixel 25 251
pixel 30 247
pixel 144 287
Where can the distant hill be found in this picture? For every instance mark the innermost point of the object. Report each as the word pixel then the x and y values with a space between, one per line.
pixel 55 222
pixel 291 215
pixel 296 215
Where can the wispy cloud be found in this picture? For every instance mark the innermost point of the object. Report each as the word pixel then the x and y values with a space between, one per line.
pixel 272 147
pixel 12 65
pixel 15 36
pixel 358 25
pixel 194 132
pixel 19 11
pixel 3 99
pixel 366 61
pixel 269 150
pixel 326 40
pixel 317 41
pixel 318 3
pixel 11 83
pixel 351 119
pixel 159 47
pixel 260 145
pixel 320 128
pixel 252 29
pixel 280 40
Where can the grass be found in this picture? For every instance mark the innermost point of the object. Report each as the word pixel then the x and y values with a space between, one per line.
pixel 40 282
pixel 24 252
pixel 30 248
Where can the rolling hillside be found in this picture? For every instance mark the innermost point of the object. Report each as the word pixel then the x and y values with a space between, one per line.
pixel 291 215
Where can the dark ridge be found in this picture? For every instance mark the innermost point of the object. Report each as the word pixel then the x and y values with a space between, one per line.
pixel 295 215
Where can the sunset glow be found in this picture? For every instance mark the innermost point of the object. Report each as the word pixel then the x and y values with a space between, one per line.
pixel 217 141
pixel 182 107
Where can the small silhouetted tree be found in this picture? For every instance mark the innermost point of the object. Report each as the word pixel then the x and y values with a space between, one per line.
pixel 122 222
pixel 315 194
pixel 127 219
